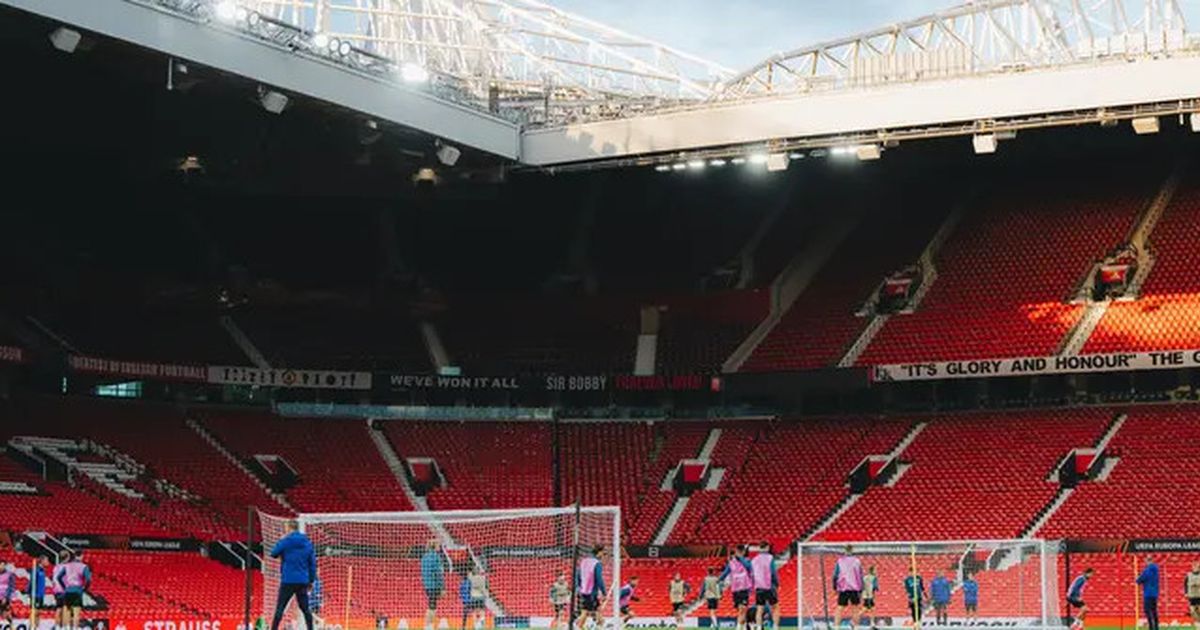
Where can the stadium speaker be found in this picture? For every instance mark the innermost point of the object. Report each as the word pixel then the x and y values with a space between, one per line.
pixel 65 39
pixel 984 143
pixel 448 155
pixel 1145 125
pixel 272 101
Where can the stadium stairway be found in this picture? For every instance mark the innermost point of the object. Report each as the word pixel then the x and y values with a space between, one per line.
pixel 697 333
pixel 136 458
pixel 394 463
pixel 852 497
pixel 821 323
pixel 1076 339
pixel 1164 315
pixel 795 279
pixel 243 341
pixel 336 466
pixel 482 465
pixel 1143 495
pixel 671 519
pixel 927 263
pixel 953 485
pixel 224 451
pixel 1065 491
pixel 1005 274
pixel 434 346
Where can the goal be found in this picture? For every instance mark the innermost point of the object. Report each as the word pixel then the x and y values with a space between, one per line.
pixel 1016 582
pixel 370 565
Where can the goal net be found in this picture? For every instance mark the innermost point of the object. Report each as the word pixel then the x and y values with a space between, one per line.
pixel 485 568
pixel 1008 583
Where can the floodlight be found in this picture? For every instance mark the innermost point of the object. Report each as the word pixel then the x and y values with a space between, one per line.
pixel 272 101
pixel 65 39
pixel 984 143
pixel 663 168
pixel 678 166
pixel 867 152
pixel 696 164
pixel 716 162
pixel 758 158
pixel 448 154
pixel 425 175
pixel 1145 125
pixel 413 73
pixel 777 162
pixel 320 40
pixel 1195 118
pixel 226 10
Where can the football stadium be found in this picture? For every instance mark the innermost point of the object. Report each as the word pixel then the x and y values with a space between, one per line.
pixel 488 314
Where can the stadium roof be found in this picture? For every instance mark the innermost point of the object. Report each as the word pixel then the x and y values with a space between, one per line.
pixel 530 83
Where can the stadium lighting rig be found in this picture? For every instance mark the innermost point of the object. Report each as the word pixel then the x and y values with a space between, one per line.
pixel 526 61
pixel 1145 125
pixel 984 143
pixel 247 19
pixel 272 101
pixel 777 162
pixel 771 161
pixel 547 70
pixel 447 154
pixel 413 73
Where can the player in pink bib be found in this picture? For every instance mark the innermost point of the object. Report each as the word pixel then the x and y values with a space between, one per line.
pixel 848 582
pixel 766 584
pixel 737 572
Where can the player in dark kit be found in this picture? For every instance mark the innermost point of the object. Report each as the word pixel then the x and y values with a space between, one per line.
pixel 1075 597
pixel 940 590
pixel 433 570
pixel 914 589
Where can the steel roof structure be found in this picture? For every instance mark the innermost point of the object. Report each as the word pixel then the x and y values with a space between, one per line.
pixel 540 86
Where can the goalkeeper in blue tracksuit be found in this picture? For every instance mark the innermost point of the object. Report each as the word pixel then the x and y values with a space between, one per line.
pixel 297 573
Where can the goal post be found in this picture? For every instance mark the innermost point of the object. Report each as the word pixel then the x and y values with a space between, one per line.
pixel 1006 583
pixel 470 567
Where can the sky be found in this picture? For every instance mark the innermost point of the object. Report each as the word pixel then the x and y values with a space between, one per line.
pixel 740 33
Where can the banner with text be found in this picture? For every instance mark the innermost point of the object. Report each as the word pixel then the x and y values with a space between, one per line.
pixel 555 383
pixel 138 369
pixel 103 541
pixel 298 379
pixel 175 623
pixel 427 382
pixel 1034 366
pixel 11 354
